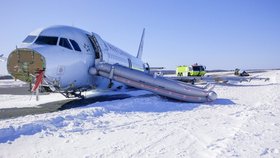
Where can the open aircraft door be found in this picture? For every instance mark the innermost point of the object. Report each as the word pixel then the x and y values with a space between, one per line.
pixel 100 48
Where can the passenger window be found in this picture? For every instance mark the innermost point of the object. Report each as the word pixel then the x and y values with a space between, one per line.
pixel 75 45
pixel 63 42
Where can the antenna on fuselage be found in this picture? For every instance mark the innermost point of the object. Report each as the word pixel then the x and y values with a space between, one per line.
pixel 140 49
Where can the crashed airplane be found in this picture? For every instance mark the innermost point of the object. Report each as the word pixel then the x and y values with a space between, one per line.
pixel 70 60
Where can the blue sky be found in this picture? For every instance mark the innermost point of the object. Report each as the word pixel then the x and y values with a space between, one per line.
pixel 221 34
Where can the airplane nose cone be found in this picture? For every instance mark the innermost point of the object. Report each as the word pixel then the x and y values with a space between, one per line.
pixel 24 63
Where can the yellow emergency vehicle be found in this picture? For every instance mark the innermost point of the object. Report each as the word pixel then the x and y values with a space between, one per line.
pixel 194 70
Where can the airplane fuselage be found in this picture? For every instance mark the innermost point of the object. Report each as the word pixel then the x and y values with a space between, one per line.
pixel 66 54
pixel 70 60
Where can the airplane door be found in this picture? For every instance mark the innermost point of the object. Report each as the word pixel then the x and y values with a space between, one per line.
pixel 96 47
pixel 100 48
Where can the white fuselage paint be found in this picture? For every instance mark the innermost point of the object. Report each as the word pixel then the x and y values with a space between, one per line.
pixel 69 69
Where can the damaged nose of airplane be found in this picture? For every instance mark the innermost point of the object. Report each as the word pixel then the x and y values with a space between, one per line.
pixel 24 63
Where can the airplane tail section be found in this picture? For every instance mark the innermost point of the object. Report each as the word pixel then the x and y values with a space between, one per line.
pixel 140 49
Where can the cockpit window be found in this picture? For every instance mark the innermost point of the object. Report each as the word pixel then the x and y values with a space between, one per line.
pixel 46 40
pixel 63 42
pixel 29 39
pixel 75 45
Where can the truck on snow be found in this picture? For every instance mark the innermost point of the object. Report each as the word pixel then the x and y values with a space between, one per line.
pixel 193 70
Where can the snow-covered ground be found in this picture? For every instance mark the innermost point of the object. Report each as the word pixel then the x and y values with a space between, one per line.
pixel 20 101
pixel 11 83
pixel 24 101
pixel 243 122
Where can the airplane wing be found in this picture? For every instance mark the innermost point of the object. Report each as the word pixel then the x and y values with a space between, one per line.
pixel 216 79
pixel 162 72
pixel 219 76
pixel 208 79
pixel 156 84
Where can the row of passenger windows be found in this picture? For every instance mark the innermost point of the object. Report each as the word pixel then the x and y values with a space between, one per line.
pixel 50 40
